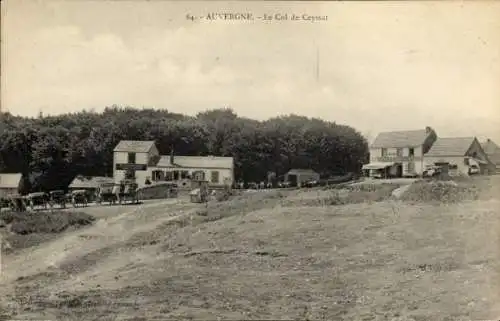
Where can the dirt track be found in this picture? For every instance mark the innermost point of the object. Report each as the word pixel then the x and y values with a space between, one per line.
pixel 385 260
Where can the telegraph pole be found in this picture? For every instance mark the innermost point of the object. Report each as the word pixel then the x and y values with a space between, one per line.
pixel 317 63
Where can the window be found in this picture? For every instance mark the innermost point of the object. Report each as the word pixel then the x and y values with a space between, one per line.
pixel 215 177
pixel 169 176
pixel 131 158
pixel 176 175
pixel 184 174
pixel 399 152
pixel 199 176
pixel 384 152
pixel 158 175
pixel 411 152
pixel 411 167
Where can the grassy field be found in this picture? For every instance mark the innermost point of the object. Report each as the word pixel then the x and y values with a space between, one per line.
pixel 349 254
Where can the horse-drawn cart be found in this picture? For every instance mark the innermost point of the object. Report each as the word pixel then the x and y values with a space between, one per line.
pixel 38 200
pixel 79 198
pixel 17 203
pixel 128 192
pixel 107 192
pixel 57 198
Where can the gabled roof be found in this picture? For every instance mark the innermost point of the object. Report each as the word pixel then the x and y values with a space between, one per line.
pixel 298 171
pixel 134 146
pixel 10 180
pixel 492 150
pixel 89 182
pixel 196 162
pixel 451 146
pixel 400 139
pixel 490 147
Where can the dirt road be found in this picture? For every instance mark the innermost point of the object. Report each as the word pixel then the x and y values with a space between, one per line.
pixel 384 261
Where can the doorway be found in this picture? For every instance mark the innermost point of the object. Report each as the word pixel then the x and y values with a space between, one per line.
pixel 292 179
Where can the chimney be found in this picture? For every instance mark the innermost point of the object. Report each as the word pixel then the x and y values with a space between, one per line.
pixel 172 155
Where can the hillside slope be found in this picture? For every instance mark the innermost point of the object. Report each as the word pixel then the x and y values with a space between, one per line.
pixel 261 256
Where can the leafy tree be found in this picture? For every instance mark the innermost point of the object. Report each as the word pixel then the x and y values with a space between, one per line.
pixel 52 150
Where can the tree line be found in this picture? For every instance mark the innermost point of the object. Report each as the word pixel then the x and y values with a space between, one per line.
pixel 51 151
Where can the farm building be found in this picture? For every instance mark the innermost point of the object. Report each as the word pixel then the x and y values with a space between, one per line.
pixel 458 156
pixel 493 151
pixel 141 160
pixel 399 153
pixel 297 177
pixel 10 184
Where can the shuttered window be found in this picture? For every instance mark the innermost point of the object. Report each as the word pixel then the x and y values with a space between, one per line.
pixel 215 177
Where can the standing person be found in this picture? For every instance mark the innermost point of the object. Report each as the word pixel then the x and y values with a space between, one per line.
pixel 116 192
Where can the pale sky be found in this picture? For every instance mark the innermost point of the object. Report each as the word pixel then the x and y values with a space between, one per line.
pixel 382 65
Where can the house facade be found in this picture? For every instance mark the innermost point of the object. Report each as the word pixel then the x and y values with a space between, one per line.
pixel 10 184
pixel 133 158
pixel 143 161
pixel 218 171
pixel 399 153
pixel 297 176
pixel 90 184
pixel 458 156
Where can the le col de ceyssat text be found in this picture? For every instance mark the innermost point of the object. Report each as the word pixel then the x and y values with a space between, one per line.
pixel 268 17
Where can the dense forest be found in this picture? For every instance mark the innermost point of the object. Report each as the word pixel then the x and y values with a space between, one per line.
pixel 51 151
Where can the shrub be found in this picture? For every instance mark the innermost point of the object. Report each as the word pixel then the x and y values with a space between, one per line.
pixel 45 222
pixel 350 195
pixel 441 191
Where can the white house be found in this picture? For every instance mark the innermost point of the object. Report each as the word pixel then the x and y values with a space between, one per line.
pixel 9 184
pixel 458 155
pixel 400 153
pixel 142 161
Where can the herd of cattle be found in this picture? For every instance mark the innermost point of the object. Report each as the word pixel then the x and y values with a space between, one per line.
pixel 110 193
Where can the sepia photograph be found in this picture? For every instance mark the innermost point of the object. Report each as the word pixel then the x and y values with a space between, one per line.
pixel 250 160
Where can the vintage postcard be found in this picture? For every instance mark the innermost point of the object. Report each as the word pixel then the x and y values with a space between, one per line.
pixel 250 160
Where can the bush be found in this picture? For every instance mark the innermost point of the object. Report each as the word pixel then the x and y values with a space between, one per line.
pixel 350 195
pixel 8 216
pixel 45 222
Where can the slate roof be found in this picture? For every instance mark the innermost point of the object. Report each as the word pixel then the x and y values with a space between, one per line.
pixel 490 147
pixel 400 139
pixel 196 162
pixel 82 182
pixel 492 150
pixel 451 146
pixel 134 146
pixel 10 180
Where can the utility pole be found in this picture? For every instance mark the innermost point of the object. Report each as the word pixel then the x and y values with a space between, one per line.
pixel 317 63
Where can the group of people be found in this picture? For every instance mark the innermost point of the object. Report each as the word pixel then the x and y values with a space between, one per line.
pixel 261 185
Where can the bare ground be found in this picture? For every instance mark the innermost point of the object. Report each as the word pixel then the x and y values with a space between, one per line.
pixel 263 256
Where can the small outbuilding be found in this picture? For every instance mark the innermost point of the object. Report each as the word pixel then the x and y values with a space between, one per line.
pixel 89 183
pixel 298 177
pixel 10 184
